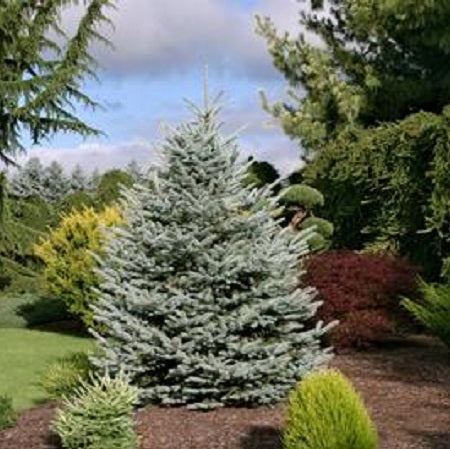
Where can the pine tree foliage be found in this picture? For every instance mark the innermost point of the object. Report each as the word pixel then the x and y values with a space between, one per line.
pixel 389 185
pixel 381 60
pixel 433 312
pixel 28 181
pixel 42 68
pixel 55 184
pixel 34 180
pixel 201 304
pixel 78 180
pixel 261 173
pixel 135 171
pixel 93 181
pixel 368 101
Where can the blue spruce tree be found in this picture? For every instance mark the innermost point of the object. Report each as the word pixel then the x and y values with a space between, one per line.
pixel 200 301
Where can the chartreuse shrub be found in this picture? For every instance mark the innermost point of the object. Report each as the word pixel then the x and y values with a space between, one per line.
pixel 7 414
pixel 434 311
pixel 98 416
pixel 63 376
pixel 325 412
pixel 69 260
pixel 198 300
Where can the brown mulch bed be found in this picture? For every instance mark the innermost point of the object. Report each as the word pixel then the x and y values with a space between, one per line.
pixel 405 386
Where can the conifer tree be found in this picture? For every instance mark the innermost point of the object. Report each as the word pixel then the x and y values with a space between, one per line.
pixel 199 302
pixel 28 181
pixel 42 69
pixel 78 181
pixel 93 181
pixel 135 171
pixel 378 61
pixel 55 183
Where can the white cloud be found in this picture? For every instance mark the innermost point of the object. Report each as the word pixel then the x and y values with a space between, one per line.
pixel 159 36
pixel 272 147
pixel 93 155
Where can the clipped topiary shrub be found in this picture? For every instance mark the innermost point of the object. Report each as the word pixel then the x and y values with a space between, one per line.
pixel 433 312
pixel 363 292
pixel 299 203
pixel 7 414
pixel 62 377
pixel 303 195
pixel 69 261
pixel 326 412
pixel 98 416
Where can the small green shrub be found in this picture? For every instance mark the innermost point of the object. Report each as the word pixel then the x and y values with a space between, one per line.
pixel 303 195
pixel 62 377
pixel 98 416
pixel 7 415
pixel 434 311
pixel 325 412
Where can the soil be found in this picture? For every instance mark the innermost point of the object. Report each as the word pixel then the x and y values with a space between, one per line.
pixel 406 386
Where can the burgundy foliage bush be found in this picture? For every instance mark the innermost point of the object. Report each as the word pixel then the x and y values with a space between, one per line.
pixel 363 292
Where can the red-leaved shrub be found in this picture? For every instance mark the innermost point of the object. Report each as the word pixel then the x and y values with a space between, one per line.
pixel 363 292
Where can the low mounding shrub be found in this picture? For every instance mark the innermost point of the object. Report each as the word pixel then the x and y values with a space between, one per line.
pixel 325 412
pixel 434 311
pixel 7 415
pixel 363 292
pixel 98 416
pixel 69 263
pixel 63 377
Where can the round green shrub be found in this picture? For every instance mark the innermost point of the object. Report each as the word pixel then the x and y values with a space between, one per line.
pixel 326 412
pixel 302 195
pixel 62 377
pixel 323 227
pixel 98 416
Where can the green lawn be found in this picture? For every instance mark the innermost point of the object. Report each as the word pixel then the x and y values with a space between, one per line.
pixel 28 310
pixel 24 354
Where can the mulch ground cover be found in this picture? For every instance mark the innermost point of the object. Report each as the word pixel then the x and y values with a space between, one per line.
pixel 405 386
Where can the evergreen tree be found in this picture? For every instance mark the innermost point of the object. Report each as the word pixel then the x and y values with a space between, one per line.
pixel 110 186
pixel 369 106
pixel 261 173
pixel 55 183
pixel 78 181
pixel 201 303
pixel 28 181
pixel 42 69
pixel 382 60
pixel 135 171
pixel 93 181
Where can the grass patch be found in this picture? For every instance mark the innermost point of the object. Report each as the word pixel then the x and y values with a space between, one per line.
pixel 23 357
pixel 28 310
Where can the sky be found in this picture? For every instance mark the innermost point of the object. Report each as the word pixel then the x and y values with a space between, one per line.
pixel 161 49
